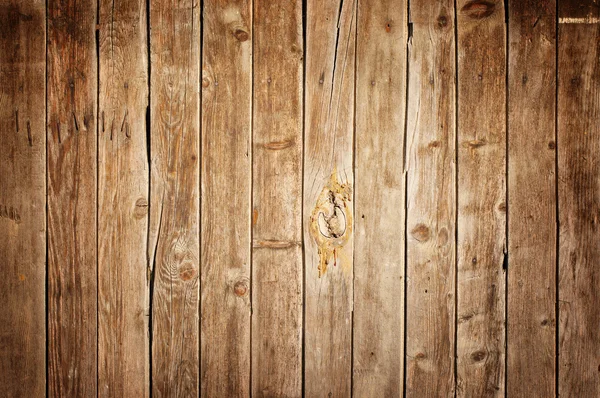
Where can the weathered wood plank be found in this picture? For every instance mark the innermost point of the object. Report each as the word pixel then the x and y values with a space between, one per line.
pixel 277 200
pixel 226 197
pixel 175 196
pixel 380 198
pixel 123 183
pixel 72 198
pixel 431 201
pixel 481 221
pixel 531 290
pixel 23 198
pixel 328 198
pixel 579 198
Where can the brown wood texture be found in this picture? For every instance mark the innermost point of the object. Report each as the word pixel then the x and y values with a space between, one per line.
pixel 174 242
pixel 72 198
pixel 328 196
pixel 123 183
pixel 579 198
pixel 22 198
pixel 532 232
pixel 277 200
pixel 381 71
pixel 481 218
pixel 431 202
pixel 226 198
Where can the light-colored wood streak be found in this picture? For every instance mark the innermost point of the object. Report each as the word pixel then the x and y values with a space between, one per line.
pixel 226 195
pixel 175 191
pixel 381 62
pixel 579 201
pixel 531 290
pixel 431 202
pixel 328 198
pixel 277 200
pixel 72 173
pixel 123 178
pixel 481 219
pixel 22 198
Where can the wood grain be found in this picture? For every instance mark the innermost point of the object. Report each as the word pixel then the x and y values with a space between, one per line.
pixel 277 200
pixel 579 200
pixel 226 197
pixel 72 198
pixel 431 202
pixel 328 198
pixel 175 196
pixel 531 290
pixel 381 70
pixel 481 219
pixel 123 183
pixel 22 198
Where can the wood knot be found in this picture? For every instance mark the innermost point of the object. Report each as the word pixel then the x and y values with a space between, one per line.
pixel 241 35
pixel 420 355
pixel 187 273
pixel 551 145
pixel 421 233
pixel 388 27
pixel 478 356
pixel 434 144
pixel 240 288
pixel 205 82
pixel 442 21
pixel 474 144
pixel 141 208
pixel 478 9
pixel 502 207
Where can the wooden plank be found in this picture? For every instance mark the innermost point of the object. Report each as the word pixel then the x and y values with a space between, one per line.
pixel 277 200
pixel 381 59
pixel 23 198
pixel 481 219
pixel 579 199
pixel 431 202
pixel 226 197
pixel 174 198
pixel 328 196
pixel 531 290
pixel 123 178
pixel 72 198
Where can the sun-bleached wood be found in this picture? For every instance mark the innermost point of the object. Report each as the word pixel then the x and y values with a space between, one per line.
pixel 481 218
pixel 123 182
pixel 277 199
pixel 381 69
pixel 174 252
pixel 328 198
pixel 226 196
pixel 431 202
pixel 23 198
pixel 71 177
pixel 531 289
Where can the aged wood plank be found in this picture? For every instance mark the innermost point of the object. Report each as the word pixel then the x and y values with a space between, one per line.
pixel 531 290
pixel 277 200
pixel 579 199
pixel 72 166
pixel 123 178
pixel 481 219
pixel 23 198
pixel 380 198
pixel 175 196
pixel 328 198
pixel 226 197
pixel 431 202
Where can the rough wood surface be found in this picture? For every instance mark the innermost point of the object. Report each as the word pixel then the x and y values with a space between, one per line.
pixel 328 198
pixel 579 201
pixel 481 221
pixel 381 72
pixel 175 196
pixel 431 202
pixel 71 166
pixel 277 200
pixel 226 195
pixel 123 182
pixel 531 290
pixel 22 198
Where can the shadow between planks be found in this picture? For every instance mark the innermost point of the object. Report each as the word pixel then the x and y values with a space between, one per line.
pixel 367 198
